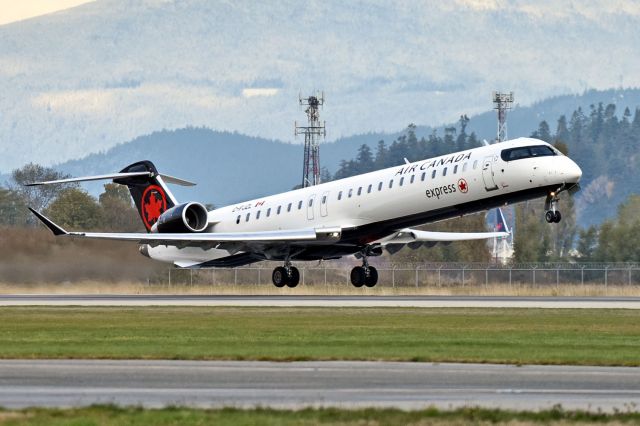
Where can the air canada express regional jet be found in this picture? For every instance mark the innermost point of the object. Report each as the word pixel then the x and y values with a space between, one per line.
pixel 358 216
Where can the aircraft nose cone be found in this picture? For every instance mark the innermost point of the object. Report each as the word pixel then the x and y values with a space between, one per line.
pixel 575 172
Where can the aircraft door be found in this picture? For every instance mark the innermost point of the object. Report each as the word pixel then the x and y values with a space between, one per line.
pixel 310 206
pixel 323 204
pixel 487 174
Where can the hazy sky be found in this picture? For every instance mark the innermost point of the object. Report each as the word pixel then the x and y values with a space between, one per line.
pixel 13 10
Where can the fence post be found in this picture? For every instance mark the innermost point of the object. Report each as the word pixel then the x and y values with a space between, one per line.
pixel 393 276
pixel 259 275
pixel 486 277
pixel 439 269
pixel 169 276
pixel 558 277
pixel 191 277
pixel 303 269
pixel 463 276
pixel 606 279
pixel 582 276
pixel 534 276
pixel 510 269
pixel 417 268
pixel 325 275
pixel 235 276
pixel 629 276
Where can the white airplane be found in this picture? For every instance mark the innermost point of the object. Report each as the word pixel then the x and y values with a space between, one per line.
pixel 358 216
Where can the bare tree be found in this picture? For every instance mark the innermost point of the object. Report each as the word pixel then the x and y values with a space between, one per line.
pixel 37 197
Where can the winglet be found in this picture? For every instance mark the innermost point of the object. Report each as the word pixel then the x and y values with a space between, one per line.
pixel 57 230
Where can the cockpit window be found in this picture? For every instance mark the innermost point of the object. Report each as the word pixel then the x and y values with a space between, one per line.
pixel 527 152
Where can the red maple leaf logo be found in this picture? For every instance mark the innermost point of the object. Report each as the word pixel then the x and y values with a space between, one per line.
pixel 154 204
pixel 462 186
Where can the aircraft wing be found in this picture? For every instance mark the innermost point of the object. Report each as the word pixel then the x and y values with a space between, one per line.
pixel 415 238
pixel 204 239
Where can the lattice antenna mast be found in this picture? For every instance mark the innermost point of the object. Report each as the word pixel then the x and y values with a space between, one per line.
pixel 502 102
pixel 312 133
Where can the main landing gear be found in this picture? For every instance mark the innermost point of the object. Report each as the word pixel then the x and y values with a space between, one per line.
pixel 286 275
pixel 364 275
pixel 552 215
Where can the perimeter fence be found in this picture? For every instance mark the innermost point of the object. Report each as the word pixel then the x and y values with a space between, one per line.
pixel 419 275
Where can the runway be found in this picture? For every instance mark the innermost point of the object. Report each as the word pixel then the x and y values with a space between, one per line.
pixel 325 301
pixel 71 383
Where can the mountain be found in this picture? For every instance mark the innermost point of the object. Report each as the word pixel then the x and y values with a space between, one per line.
pixel 83 80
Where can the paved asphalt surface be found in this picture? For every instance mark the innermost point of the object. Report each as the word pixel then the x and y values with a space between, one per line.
pixel 325 301
pixel 64 383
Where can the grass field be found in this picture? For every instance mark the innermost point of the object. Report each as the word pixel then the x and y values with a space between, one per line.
pixel 518 336
pixel 107 415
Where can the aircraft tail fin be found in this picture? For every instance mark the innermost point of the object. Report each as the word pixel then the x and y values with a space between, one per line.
pixel 147 187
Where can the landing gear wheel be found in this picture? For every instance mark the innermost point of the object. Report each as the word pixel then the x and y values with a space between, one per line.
pixel 371 279
pixel 294 278
pixel 358 277
pixel 280 277
pixel 553 216
pixel 550 217
pixel 557 217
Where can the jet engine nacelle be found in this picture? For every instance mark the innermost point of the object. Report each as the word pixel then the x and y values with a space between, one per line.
pixel 188 217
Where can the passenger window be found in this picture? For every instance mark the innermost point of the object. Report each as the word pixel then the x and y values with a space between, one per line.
pixel 258 215
pixel 380 186
pixel 424 175
pixel 339 195
pixel 289 207
pixel 413 177
pixel 464 167
pixel 444 171
pixel 433 174
pixel 310 202
pixel 391 183
pixel 359 191
pixel 247 218
pixel 279 208
pixel 324 199
pixel 401 180
pixel 369 189
pixel 269 212
pixel 238 220
pixel 475 164
pixel 350 192
pixel 299 204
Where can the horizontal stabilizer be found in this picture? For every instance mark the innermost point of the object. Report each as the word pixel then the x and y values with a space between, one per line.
pixel 166 178
pixel 89 178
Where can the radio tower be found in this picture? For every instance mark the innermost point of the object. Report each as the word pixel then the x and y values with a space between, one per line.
pixel 502 102
pixel 503 247
pixel 312 133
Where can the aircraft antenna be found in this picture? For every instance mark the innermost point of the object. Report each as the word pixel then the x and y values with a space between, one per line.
pixel 502 102
pixel 312 133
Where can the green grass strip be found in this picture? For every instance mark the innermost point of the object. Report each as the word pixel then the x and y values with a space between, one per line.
pixel 110 415
pixel 515 336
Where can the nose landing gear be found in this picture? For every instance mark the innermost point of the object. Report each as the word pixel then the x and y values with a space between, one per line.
pixel 364 275
pixel 552 214
pixel 285 275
